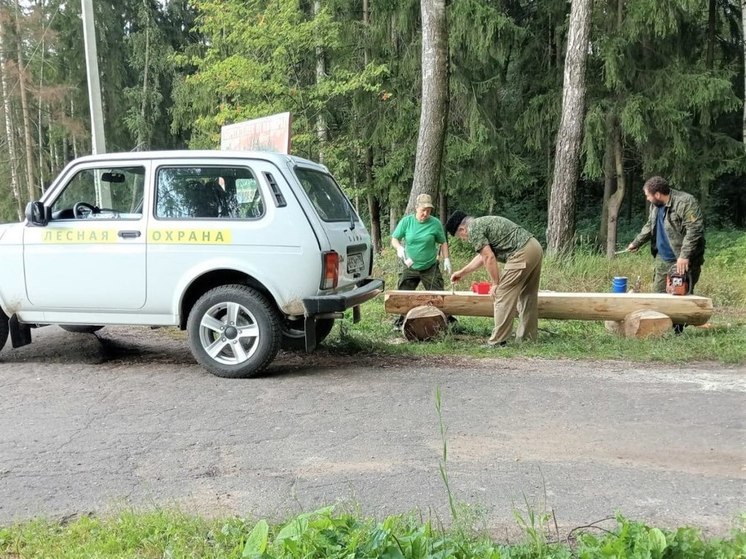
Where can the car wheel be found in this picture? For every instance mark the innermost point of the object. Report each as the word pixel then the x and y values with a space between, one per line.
pixel 3 329
pixel 80 328
pixel 294 337
pixel 233 331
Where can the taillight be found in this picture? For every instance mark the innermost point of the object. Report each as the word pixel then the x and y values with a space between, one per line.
pixel 331 270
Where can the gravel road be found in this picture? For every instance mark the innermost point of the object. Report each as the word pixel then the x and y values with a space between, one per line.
pixel 125 418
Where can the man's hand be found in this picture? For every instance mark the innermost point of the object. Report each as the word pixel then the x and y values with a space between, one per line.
pixel 400 252
pixel 631 248
pixel 493 289
pixel 682 265
pixel 456 276
pixel 447 265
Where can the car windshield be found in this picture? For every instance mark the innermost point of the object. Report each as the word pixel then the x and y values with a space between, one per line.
pixel 325 195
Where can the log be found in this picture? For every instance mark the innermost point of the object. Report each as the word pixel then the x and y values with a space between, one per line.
pixel 646 324
pixel 424 323
pixel 681 309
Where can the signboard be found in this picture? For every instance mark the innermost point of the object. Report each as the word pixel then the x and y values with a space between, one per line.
pixel 270 133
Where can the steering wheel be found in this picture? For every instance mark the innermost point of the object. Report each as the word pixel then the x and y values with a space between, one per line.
pixel 81 210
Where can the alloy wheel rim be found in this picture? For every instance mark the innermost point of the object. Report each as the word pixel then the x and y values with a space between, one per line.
pixel 229 333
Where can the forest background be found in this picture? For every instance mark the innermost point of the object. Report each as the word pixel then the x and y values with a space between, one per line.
pixel 664 83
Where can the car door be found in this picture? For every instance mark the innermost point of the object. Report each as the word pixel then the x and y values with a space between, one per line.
pixel 92 253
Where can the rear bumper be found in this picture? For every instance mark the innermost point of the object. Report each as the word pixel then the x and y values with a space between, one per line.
pixel 331 306
pixel 340 302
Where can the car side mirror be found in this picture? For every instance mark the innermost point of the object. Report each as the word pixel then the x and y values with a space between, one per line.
pixel 37 214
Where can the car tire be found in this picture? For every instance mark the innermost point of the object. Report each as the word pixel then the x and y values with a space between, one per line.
pixel 80 328
pixel 234 331
pixel 294 337
pixel 4 328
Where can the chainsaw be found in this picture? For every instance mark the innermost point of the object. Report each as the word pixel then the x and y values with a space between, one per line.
pixel 678 284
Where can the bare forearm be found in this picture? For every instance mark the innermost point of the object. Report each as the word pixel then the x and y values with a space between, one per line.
pixel 493 270
pixel 475 264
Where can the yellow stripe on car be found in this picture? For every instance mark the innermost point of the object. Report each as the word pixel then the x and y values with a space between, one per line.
pixel 190 236
pixel 73 236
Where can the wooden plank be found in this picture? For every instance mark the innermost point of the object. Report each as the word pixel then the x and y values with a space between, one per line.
pixel 681 309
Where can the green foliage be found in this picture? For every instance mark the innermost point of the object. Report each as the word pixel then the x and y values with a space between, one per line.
pixel 331 534
pixel 150 58
pixel 637 540
pixel 650 71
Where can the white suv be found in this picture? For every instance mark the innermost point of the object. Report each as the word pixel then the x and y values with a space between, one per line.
pixel 246 251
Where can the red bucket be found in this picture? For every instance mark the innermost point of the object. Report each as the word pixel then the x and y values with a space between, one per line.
pixel 481 287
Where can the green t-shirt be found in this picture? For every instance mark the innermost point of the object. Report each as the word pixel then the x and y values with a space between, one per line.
pixel 503 236
pixel 421 240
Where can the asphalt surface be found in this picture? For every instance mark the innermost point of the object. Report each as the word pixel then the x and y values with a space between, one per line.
pixel 126 419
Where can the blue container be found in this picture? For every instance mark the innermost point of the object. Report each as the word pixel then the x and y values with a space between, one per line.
pixel 619 285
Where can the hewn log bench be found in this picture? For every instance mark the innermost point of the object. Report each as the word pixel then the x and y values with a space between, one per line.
pixel 681 309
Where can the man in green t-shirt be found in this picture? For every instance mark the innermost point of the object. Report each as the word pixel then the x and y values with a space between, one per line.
pixel 423 238
pixel 516 289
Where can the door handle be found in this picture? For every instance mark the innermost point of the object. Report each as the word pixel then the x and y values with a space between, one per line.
pixel 129 234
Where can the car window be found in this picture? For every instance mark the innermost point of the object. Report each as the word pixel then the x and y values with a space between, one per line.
pixel 325 195
pixel 208 192
pixel 102 193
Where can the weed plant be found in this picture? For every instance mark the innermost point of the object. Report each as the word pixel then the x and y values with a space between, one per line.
pixel 328 534
pixel 585 270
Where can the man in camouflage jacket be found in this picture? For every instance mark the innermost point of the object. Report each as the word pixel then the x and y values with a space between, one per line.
pixel 497 239
pixel 676 232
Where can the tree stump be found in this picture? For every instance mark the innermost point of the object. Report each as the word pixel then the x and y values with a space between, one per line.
pixel 646 324
pixel 424 323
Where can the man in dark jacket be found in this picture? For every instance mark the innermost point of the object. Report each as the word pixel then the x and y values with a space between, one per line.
pixel 676 231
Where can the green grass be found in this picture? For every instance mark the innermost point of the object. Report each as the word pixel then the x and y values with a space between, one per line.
pixel 327 533
pixel 724 340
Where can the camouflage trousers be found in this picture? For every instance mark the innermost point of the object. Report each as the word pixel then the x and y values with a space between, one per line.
pixel 662 268
pixel 432 279
pixel 518 293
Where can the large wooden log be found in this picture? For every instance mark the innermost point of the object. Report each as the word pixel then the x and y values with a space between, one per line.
pixel 682 309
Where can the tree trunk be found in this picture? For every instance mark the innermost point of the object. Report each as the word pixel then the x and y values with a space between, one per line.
pixel 609 182
pixel 434 108
pixel 743 42
pixel 75 138
pixel 615 201
pixel 9 132
pixel 558 305
pixel 39 116
pixel 443 207
pixel 561 218
pixel 393 218
pixel 374 205
pixel 29 146
pixel 143 142
pixel 321 128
